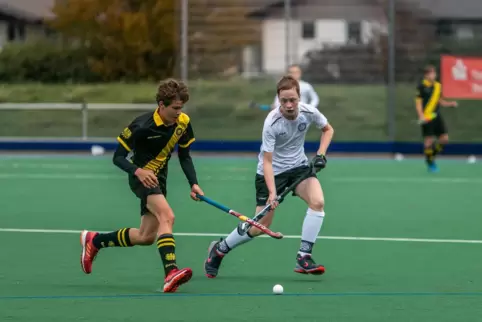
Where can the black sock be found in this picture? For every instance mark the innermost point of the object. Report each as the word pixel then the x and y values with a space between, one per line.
pixel 119 238
pixel 429 155
pixel 223 247
pixel 167 249
pixel 306 247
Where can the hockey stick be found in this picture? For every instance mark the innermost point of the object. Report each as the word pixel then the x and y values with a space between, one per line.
pixel 263 107
pixel 245 227
pixel 241 217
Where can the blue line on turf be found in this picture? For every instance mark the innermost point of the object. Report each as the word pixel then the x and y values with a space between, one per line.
pixel 132 296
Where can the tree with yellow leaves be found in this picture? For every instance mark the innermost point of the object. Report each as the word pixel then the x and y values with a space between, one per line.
pixel 127 39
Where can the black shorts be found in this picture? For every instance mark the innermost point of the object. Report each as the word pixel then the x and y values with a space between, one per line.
pixel 142 192
pixel 282 181
pixel 436 127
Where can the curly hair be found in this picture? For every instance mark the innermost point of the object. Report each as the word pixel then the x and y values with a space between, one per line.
pixel 287 83
pixel 170 90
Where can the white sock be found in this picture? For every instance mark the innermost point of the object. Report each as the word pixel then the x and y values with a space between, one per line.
pixel 311 228
pixel 233 240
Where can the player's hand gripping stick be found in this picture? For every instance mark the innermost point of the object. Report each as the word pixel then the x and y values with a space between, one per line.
pixel 318 163
pixel 244 227
pixel 241 217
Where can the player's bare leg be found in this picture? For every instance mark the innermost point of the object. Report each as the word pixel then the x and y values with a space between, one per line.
pixel 218 249
pixel 93 242
pixel 311 192
pixel 174 277
pixel 428 144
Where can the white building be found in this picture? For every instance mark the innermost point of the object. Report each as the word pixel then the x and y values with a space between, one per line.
pixel 314 24
pixel 23 20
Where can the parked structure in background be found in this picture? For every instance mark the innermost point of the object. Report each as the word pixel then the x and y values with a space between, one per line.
pixel 317 26
pixel 23 20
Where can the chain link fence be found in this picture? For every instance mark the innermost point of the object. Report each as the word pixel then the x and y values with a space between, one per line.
pixel 363 57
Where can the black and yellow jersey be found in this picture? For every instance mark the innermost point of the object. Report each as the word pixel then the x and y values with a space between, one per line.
pixel 152 142
pixel 429 93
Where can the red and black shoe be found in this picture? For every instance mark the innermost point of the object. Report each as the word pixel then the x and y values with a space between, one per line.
pixel 213 261
pixel 89 251
pixel 176 278
pixel 306 265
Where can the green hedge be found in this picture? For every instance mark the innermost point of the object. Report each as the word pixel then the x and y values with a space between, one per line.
pixel 46 62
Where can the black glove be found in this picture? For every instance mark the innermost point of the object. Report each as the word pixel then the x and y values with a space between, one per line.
pixel 318 162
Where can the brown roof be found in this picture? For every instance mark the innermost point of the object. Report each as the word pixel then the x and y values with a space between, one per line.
pixel 451 9
pixel 437 9
pixel 323 9
pixel 28 9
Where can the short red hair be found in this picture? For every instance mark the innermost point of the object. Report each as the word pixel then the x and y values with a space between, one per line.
pixel 287 83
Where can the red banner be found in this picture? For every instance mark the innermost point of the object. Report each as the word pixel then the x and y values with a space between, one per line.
pixel 461 77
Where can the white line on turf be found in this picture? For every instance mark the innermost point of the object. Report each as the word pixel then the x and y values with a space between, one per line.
pixel 407 179
pixel 102 176
pixel 386 239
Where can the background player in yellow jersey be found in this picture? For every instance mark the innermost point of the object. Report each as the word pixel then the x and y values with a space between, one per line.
pixel 151 139
pixel 427 103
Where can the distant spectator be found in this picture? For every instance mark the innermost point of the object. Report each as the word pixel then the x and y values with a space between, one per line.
pixel 307 92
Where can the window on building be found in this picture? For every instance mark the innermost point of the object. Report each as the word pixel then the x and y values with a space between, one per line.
pixel 464 32
pixel 21 31
pixel 354 33
pixel 11 31
pixel 308 30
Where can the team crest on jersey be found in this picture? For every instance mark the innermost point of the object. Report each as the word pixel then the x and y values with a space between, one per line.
pixel 126 133
pixel 179 131
pixel 302 127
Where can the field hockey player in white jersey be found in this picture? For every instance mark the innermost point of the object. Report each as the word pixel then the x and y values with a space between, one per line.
pixel 282 161
pixel 308 94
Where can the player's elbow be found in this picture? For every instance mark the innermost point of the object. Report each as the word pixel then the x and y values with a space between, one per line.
pixel 116 159
pixel 328 129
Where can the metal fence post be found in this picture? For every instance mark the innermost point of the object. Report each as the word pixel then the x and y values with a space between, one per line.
pixel 184 39
pixel 391 99
pixel 287 11
pixel 85 121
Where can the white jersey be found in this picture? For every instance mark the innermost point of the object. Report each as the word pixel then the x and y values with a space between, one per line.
pixel 307 95
pixel 286 138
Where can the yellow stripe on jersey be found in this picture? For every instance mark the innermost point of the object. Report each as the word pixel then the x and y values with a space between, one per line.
pixel 433 101
pixel 123 144
pixel 160 161
pixel 188 143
